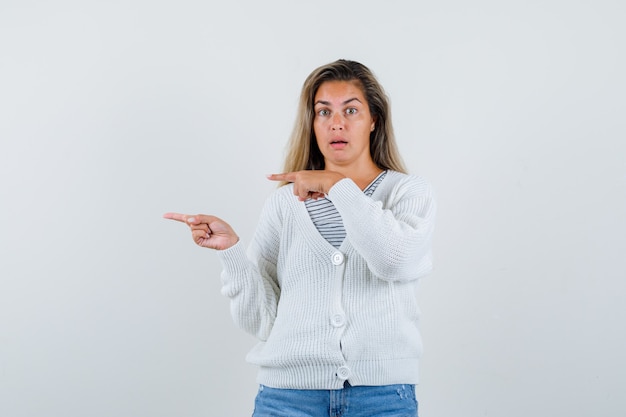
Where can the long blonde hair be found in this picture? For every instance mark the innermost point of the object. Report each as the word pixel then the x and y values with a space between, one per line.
pixel 302 150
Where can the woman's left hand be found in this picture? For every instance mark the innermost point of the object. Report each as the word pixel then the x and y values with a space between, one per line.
pixel 309 183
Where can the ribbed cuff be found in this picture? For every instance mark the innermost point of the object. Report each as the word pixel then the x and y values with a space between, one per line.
pixel 233 258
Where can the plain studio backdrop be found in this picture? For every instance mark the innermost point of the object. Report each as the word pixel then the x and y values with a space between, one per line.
pixel 114 112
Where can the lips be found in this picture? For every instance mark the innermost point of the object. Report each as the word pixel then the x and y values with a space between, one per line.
pixel 338 144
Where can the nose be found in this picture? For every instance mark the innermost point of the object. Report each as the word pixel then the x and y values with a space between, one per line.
pixel 337 122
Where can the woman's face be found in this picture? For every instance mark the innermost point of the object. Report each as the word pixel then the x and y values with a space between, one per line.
pixel 342 124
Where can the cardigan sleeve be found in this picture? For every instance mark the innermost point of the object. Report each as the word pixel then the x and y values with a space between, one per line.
pixel 249 278
pixel 394 235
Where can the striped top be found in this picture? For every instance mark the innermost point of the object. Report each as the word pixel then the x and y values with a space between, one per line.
pixel 327 219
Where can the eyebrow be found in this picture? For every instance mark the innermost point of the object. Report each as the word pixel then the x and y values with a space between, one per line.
pixel 327 103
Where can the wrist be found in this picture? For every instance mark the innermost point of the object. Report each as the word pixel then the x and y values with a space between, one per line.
pixel 334 179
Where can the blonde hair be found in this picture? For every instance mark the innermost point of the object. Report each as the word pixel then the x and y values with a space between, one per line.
pixel 302 150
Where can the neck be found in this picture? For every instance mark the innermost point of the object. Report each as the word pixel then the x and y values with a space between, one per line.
pixel 362 174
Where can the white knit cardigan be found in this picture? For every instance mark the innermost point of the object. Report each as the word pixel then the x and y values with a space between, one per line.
pixel 325 315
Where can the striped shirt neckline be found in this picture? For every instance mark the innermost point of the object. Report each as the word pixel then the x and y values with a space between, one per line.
pixel 327 219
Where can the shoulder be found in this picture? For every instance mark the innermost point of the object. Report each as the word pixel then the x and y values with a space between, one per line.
pixel 409 192
pixel 279 200
pixel 282 194
pixel 408 183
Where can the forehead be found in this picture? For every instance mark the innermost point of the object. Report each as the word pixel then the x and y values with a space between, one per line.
pixel 339 91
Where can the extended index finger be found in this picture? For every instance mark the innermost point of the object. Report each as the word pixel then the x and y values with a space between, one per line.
pixel 176 216
pixel 286 176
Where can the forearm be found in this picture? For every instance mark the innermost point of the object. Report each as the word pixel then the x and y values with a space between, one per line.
pixel 394 240
pixel 253 296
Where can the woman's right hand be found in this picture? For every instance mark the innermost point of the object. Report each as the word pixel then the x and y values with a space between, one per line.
pixel 207 231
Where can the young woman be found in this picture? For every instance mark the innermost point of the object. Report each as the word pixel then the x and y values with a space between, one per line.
pixel 327 284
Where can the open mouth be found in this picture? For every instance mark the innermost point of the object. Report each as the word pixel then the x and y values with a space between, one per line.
pixel 338 144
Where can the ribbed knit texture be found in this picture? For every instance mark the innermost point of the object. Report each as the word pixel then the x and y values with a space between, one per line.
pixel 325 314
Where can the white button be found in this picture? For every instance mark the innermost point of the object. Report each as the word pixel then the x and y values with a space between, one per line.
pixel 338 320
pixel 343 372
pixel 337 258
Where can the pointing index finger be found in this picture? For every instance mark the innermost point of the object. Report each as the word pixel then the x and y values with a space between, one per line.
pixel 176 216
pixel 287 176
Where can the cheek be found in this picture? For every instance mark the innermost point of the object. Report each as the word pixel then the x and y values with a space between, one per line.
pixel 318 142
pixel 317 129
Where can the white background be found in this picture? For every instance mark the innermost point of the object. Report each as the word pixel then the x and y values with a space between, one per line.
pixel 114 112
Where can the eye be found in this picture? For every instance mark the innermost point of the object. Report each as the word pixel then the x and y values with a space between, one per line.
pixel 323 112
pixel 351 110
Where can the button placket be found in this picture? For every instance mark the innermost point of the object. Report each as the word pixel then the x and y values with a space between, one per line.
pixel 337 317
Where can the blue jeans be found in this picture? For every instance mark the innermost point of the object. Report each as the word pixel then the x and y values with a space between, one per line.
pixel 359 401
